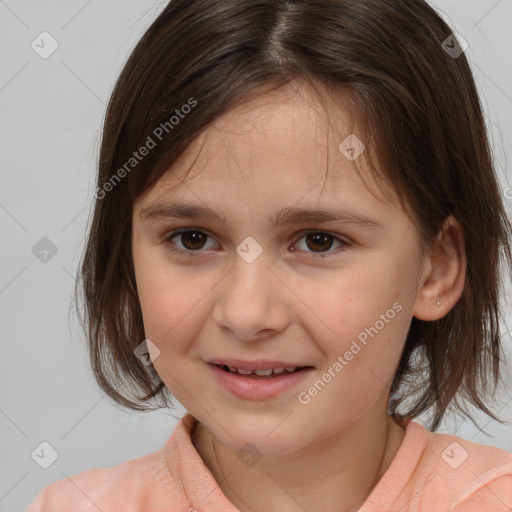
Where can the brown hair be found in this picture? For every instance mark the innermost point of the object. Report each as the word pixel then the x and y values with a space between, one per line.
pixel 417 110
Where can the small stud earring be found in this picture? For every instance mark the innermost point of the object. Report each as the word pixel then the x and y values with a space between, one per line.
pixel 438 303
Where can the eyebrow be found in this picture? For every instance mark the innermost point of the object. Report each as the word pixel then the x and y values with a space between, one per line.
pixel 289 215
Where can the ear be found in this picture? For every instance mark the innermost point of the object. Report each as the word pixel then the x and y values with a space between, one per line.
pixel 444 273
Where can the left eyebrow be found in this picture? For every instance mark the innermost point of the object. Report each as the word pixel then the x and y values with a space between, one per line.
pixel 345 216
pixel 284 216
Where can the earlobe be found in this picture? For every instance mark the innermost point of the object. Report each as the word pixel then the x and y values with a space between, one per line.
pixel 443 285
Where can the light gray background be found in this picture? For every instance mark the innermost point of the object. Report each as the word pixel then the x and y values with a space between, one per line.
pixel 51 115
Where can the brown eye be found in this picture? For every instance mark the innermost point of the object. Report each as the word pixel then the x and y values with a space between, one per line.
pixel 317 243
pixel 193 240
pixel 188 241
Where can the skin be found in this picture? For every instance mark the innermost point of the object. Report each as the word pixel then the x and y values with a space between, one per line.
pixel 270 153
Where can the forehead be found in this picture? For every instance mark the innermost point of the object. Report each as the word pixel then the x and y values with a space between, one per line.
pixel 286 140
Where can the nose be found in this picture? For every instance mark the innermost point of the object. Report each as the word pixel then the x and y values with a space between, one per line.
pixel 252 300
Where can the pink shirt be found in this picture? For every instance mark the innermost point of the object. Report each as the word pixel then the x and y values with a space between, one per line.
pixel 430 473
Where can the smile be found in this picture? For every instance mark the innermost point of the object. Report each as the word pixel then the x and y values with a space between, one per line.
pixel 260 384
pixel 261 373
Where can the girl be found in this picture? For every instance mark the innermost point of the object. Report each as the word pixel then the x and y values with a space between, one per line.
pixel 298 233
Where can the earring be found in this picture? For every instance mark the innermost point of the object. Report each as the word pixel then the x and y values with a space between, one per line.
pixel 438 303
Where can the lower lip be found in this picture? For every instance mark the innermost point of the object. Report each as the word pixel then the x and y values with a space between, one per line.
pixel 258 389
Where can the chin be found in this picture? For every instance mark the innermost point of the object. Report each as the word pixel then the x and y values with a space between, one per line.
pixel 268 435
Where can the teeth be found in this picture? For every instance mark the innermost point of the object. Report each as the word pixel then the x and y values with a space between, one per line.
pixel 261 373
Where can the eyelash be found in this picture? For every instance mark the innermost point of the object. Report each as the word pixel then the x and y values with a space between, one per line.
pixel 188 253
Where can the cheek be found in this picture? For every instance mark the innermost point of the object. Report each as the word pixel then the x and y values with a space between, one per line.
pixel 342 308
pixel 360 325
pixel 169 308
pixel 358 371
pixel 167 297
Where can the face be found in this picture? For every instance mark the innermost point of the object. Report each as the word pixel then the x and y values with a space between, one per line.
pixel 332 296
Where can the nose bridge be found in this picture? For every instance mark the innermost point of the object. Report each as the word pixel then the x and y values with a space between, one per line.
pixel 250 301
pixel 250 273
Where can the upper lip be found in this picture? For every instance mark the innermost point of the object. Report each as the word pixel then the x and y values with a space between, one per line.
pixel 259 364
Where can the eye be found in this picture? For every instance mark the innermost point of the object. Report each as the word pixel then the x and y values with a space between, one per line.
pixel 317 243
pixel 320 242
pixel 192 241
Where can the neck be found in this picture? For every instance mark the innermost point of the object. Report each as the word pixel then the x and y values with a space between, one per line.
pixel 335 474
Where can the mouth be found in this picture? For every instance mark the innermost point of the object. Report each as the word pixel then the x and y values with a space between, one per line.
pixel 265 373
pixel 258 381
